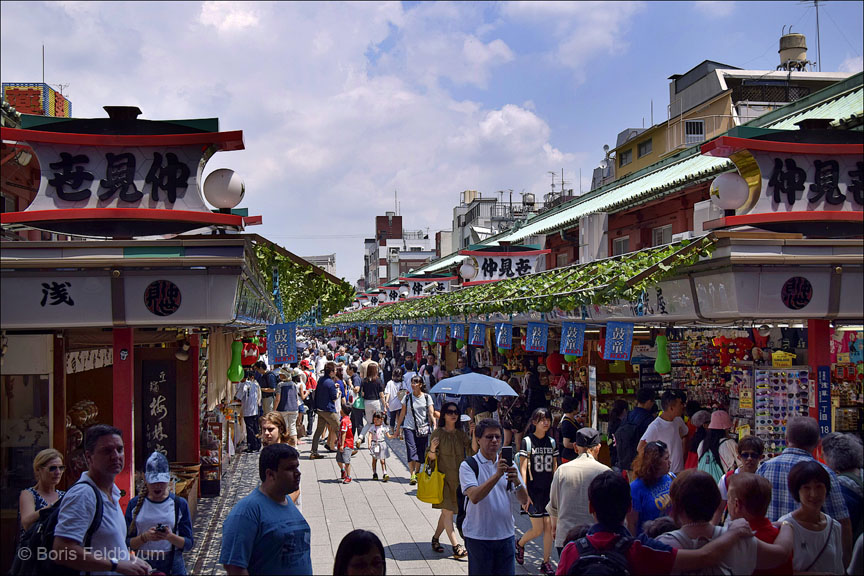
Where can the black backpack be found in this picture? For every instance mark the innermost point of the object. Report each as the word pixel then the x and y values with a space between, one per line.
pixel 592 562
pixel 40 538
pixel 627 438
pixel 461 499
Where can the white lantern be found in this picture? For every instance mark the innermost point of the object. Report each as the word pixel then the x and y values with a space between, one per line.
pixel 224 189
pixel 467 270
pixel 729 191
pixel 403 292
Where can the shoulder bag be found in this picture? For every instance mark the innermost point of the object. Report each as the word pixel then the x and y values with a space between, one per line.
pixel 430 484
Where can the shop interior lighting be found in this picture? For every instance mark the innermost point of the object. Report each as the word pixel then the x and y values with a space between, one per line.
pixel 850 328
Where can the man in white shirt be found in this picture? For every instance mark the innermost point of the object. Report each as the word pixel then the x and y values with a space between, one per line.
pixel 249 393
pixel 670 429
pixel 489 526
pixel 568 495
pixel 105 551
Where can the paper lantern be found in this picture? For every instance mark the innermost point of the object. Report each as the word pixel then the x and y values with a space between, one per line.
pixel 250 354
pixel 571 357
pixel 662 365
pixel 224 189
pixel 554 363
pixel 235 369
pixel 460 344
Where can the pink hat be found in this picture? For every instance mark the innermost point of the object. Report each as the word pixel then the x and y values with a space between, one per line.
pixel 720 421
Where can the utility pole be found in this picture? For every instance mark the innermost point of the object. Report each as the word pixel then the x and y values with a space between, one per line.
pixel 818 45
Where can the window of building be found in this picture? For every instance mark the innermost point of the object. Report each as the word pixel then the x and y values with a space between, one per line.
pixel 620 246
pixel 694 131
pixel 645 148
pixel 625 157
pixel 661 235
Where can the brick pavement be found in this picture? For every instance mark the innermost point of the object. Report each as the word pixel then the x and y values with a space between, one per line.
pixel 391 510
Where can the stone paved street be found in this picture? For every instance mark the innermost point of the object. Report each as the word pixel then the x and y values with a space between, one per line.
pixel 391 510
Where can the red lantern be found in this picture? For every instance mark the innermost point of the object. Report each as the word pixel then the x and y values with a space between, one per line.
pixel 249 355
pixel 262 345
pixel 555 363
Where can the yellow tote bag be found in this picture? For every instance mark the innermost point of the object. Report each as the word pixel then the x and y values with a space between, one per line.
pixel 430 484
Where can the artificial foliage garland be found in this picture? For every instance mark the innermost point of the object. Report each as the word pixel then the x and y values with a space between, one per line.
pixel 301 287
pixel 605 281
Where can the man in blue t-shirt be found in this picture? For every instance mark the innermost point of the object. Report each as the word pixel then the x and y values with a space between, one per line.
pixel 265 533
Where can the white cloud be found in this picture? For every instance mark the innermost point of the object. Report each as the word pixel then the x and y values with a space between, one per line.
pixel 228 16
pixel 852 65
pixel 715 9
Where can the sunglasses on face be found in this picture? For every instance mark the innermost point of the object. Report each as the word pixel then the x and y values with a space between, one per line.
pixel 492 437
pixel 749 455
pixel 454 412
pixel 55 468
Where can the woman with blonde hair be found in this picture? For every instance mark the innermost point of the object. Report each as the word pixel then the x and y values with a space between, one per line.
pixel 48 469
pixel 275 431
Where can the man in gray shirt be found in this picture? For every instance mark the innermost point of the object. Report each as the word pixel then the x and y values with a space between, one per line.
pixel 107 552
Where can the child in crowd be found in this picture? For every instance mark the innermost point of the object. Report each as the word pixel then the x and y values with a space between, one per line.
pixel 663 524
pixel 345 444
pixel 748 496
pixel 360 552
pixel 376 431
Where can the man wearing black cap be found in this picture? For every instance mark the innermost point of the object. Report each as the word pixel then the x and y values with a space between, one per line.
pixel 568 497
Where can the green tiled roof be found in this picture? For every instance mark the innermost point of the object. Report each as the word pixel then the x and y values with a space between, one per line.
pixel 841 108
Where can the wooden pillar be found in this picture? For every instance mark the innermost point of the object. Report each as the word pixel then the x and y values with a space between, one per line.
pixel 124 393
pixel 818 354
pixel 58 416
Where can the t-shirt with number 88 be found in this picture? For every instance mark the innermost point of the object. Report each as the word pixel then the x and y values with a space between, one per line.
pixel 541 463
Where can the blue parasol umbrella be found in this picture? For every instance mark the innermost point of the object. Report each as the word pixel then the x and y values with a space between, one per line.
pixel 473 384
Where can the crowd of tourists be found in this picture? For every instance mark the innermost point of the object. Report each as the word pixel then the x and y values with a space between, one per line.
pixel 682 494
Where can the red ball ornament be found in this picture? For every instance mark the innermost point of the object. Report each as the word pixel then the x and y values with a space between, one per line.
pixel 249 355
pixel 555 363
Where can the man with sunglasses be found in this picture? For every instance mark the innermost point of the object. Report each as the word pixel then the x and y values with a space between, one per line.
pixel 488 526
pixel 750 450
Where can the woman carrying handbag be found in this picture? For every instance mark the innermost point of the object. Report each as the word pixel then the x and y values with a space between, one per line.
pixel 448 447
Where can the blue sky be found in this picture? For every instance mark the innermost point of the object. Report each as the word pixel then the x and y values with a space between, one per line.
pixel 340 104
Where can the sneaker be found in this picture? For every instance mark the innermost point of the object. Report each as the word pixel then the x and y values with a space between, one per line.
pixel 347 480
pixel 547 569
pixel 413 480
pixel 315 456
pixel 520 554
pixel 374 476
pixel 386 478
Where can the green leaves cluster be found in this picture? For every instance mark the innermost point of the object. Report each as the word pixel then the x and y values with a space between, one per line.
pixel 600 282
pixel 301 287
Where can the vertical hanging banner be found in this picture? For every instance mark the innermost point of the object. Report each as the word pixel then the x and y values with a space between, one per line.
pixel 282 343
pixel 159 417
pixel 439 333
pixel 414 331
pixel 823 383
pixel 537 337
pixel 373 330
pixel 504 335
pixel 457 331
pixel 426 332
pixel 572 338
pixel 477 334
pixel 619 341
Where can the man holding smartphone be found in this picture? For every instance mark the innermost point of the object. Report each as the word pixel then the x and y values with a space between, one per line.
pixel 487 484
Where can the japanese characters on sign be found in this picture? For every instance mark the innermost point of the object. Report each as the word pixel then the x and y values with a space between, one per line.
pixel 426 332
pixel 439 333
pixel 417 288
pixel 158 389
pixel 477 334
pixel 162 297
pixel 502 267
pixel 391 295
pixel 457 331
pixel 537 337
pixel 619 341
pixel 817 183
pixel 823 383
pixel 504 335
pixel 572 338
pixel 55 293
pixel 94 177
pixel 414 331
pixel 796 293
pixel 282 343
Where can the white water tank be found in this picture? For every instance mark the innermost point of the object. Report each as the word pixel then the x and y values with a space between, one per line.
pixel 793 52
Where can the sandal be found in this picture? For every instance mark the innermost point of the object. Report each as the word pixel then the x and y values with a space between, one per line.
pixel 459 551
pixel 436 545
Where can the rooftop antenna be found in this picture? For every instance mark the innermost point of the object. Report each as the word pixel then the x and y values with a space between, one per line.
pixel 396 201
pixel 553 174
pixel 43 63
pixel 563 183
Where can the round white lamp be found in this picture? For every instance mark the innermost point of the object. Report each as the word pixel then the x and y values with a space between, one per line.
pixel 729 191
pixel 467 270
pixel 224 189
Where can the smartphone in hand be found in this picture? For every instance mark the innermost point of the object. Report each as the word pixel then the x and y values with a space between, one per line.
pixel 507 454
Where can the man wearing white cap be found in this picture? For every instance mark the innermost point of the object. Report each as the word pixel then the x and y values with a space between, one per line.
pixel 159 524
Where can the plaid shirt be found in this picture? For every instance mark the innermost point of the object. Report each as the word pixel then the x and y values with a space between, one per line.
pixel 777 470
